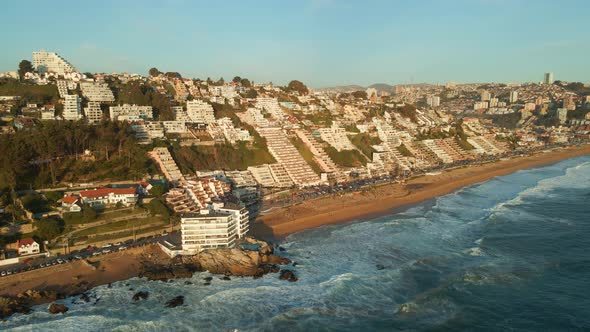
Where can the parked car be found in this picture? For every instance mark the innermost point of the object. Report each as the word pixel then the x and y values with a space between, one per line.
pixel 96 253
pixel 3 273
pixel 78 257
pixel 122 248
pixel 106 251
pixel 60 261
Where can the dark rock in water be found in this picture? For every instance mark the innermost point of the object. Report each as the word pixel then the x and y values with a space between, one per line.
pixel 188 282
pixel 127 284
pixel 295 264
pixel 56 308
pixel 380 267
pixel 281 248
pixel 275 268
pixel 181 272
pixel 131 288
pixel 110 285
pixel 207 283
pixel 288 275
pixel 175 302
pixel 84 297
pixel 208 278
pixel 140 296
pixel 225 278
pixel 9 306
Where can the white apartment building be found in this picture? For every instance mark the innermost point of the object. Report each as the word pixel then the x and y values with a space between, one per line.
pixel 200 111
pixel 174 127
pixel 167 165
pixel 45 62
pixel 72 108
pixel 126 112
pixel 271 105
pixel 486 96
pixel 336 137
pixel 62 88
pixel 240 214
pixel 284 152
pixel 97 92
pixel 208 229
pixel 93 112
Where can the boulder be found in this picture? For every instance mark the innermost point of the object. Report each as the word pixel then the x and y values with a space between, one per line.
pixel 288 275
pixel 10 306
pixel 56 308
pixel 140 296
pixel 272 259
pixel 175 302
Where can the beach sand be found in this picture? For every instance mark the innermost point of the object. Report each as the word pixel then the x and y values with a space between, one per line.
pixel 381 200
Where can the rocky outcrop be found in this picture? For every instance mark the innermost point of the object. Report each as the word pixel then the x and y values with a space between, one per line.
pixel 229 262
pixel 56 308
pixel 175 302
pixel 164 273
pixel 10 306
pixel 140 296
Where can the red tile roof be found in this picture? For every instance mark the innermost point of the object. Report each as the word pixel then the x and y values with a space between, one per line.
pixel 26 242
pixel 69 199
pixel 103 192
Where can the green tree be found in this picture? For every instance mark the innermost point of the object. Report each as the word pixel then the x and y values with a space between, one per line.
pixel 245 83
pixel 157 191
pixel 25 66
pixel 48 229
pixel 360 94
pixel 156 207
pixel 154 71
pixel 251 94
pixel 298 86
pixel 237 79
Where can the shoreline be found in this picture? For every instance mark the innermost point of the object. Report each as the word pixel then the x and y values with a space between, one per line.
pixel 391 198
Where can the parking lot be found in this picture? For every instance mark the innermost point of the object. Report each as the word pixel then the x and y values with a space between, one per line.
pixel 88 252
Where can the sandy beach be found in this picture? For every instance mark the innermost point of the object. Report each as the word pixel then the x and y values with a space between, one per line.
pixel 382 200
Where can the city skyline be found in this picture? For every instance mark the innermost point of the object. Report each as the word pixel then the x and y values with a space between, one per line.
pixel 312 41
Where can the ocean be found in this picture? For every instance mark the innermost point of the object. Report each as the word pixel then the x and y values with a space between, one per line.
pixel 512 253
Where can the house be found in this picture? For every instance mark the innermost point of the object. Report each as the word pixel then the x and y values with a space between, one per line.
pixel 144 188
pixel 71 204
pixel 27 246
pixel 109 196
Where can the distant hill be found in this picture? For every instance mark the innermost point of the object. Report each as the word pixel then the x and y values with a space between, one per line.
pixel 343 88
pixel 382 87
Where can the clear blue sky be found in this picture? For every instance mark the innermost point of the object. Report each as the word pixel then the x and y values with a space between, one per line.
pixel 320 42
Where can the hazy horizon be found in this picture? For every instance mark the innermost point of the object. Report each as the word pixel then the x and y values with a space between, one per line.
pixel 322 43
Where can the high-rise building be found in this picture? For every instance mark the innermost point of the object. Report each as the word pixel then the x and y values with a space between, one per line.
pixel 45 62
pixel 218 227
pixel 485 96
pixel 72 108
pixel 562 115
pixel 548 78
pixel 433 101
pixel 513 96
